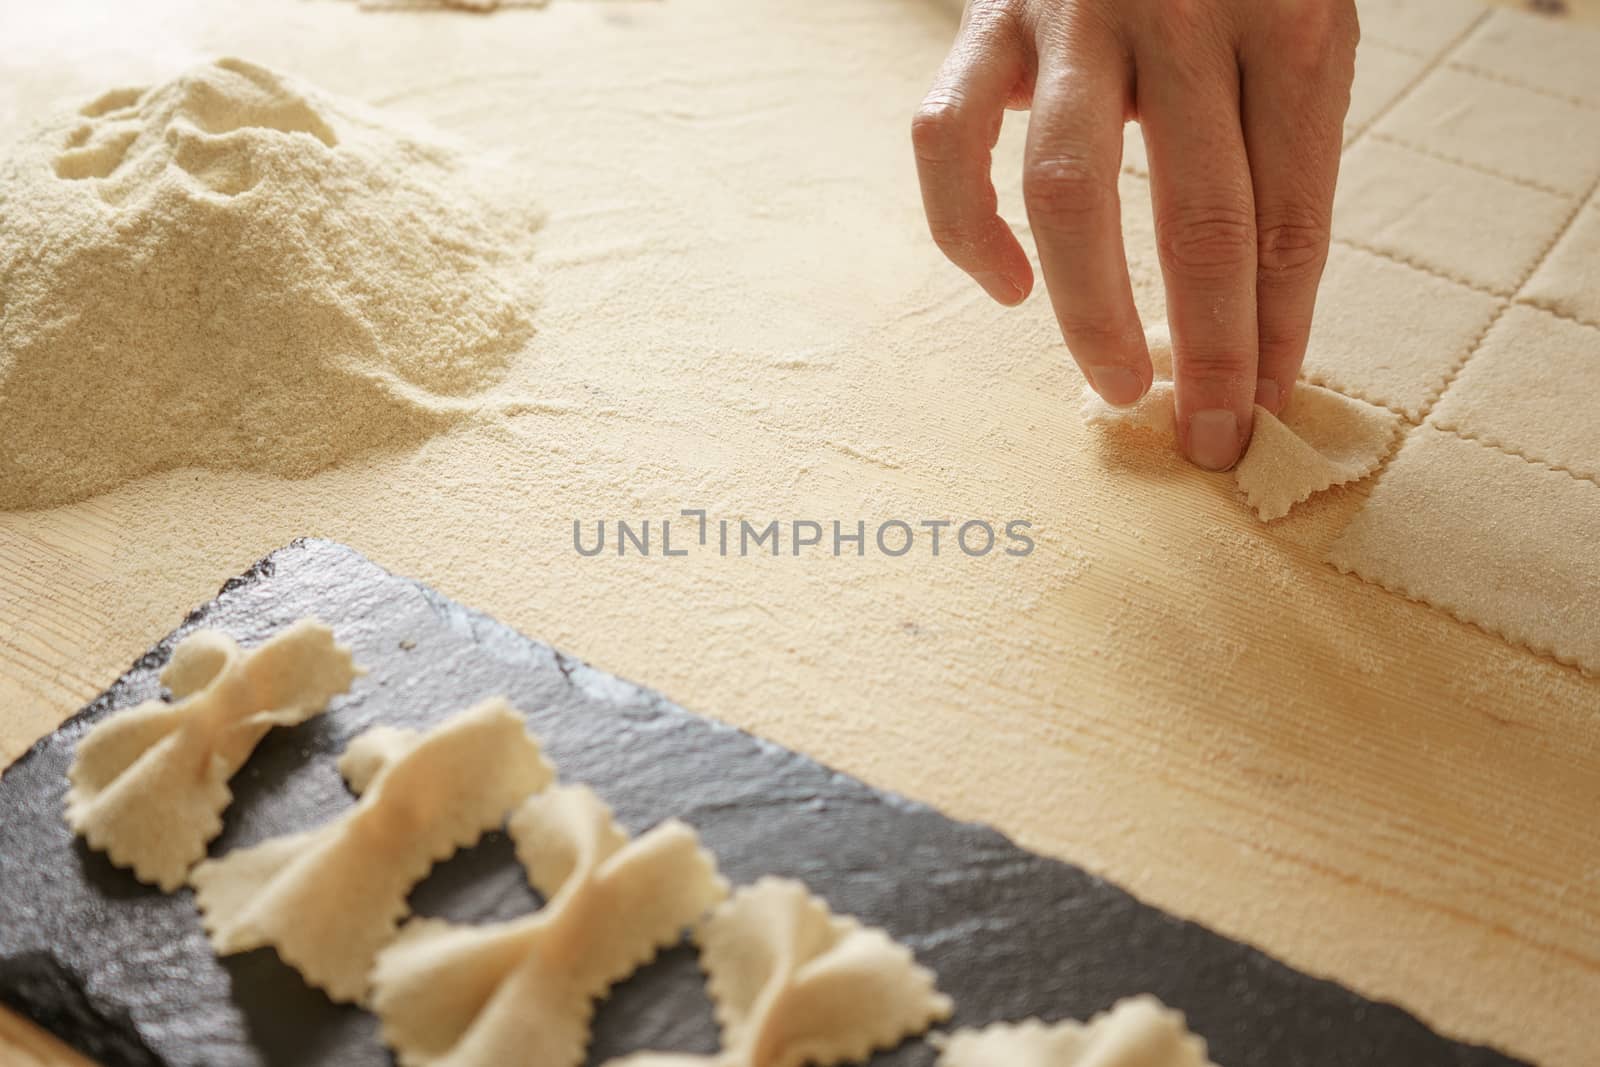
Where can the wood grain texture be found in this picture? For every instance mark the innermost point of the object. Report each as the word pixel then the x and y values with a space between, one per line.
pixel 1187 702
pixel 24 1045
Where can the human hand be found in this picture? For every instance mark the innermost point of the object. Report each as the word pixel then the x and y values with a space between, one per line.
pixel 1242 106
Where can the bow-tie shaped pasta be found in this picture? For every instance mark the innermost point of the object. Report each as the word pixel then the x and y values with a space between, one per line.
pixel 523 991
pixel 148 785
pixel 795 985
pixel 1137 1032
pixel 329 899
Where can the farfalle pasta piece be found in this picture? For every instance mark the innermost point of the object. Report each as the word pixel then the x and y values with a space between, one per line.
pixel 148 785
pixel 329 899
pixel 523 991
pixel 1137 1032
pixel 794 985
pixel 1321 438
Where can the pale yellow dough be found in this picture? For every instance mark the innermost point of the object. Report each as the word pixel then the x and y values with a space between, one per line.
pixel 1430 213
pixel 135 793
pixel 1383 73
pixel 1530 388
pixel 1568 281
pixel 1541 53
pixel 1503 129
pixel 1323 438
pixel 523 991
pixel 1391 334
pixel 329 899
pixel 1491 538
pixel 1423 27
pixel 794 984
pixel 1136 1032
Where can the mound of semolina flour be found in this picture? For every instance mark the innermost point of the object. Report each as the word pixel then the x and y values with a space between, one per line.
pixel 235 270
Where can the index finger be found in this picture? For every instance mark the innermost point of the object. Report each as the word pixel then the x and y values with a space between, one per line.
pixel 953 134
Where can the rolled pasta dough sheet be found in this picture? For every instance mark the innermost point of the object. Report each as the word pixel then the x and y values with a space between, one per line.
pixel 1493 539
pixel 1530 389
pixel 1568 281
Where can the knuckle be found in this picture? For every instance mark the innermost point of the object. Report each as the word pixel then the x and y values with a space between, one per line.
pixel 1305 45
pixel 1313 35
pixel 1191 30
pixel 1207 242
pixel 1066 193
pixel 936 128
pixel 994 16
pixel 1291 247
pixel 1211 365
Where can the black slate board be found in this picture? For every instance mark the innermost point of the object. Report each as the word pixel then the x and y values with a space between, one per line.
pixel 125 973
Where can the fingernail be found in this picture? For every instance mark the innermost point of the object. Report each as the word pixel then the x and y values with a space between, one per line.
pixel 1267 394
pixel 999 286
pixel 1116 385
pixel 1214 439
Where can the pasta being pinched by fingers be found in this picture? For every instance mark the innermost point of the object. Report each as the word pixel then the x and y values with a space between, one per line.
pixel 1136 1032
pixel 795 984
pixel 523 991
pixel 1321 439
pixel 148 785
pixel 330 898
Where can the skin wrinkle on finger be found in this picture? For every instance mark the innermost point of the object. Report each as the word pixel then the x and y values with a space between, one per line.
pixel 1190 38
pixel 1074 151
pixel 999 24
pixel 1204 209
pixel 953 134
pixel 1296 67
pixel 1055 26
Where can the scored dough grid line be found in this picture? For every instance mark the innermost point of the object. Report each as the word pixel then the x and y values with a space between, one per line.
pixel 1359 394
pixel 1455 372
pixel 1572 219
pixel 1425 268
pixel 1510 299
pixel 1410 87
pixel 1495 630
pixel 1549 309
pixel 1499 446
pixel 1467 67
pixel 1507 301
pixel 1445 157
